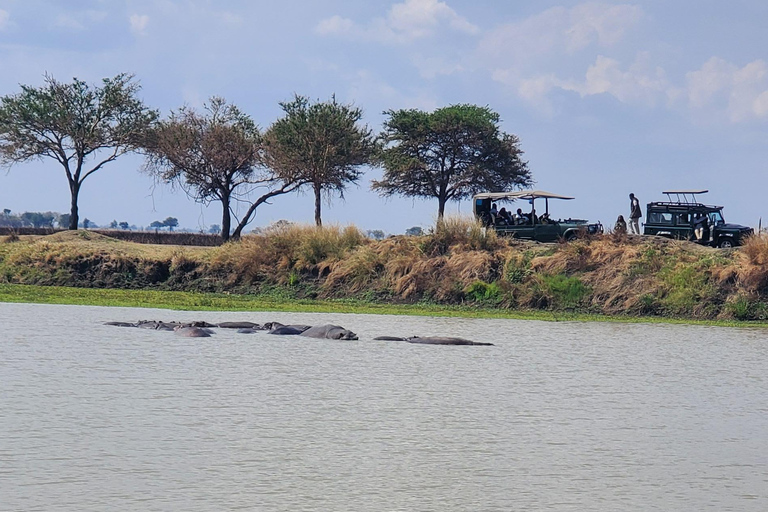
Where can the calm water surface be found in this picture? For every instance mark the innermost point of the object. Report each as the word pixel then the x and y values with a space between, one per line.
pixel 556 416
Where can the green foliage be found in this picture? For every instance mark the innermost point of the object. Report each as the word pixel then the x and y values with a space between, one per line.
pixel 687 287
pixel 484 293
pixel 414 231
pixel 376 234
pixel 74 123
pixel 214 156
pixel 320 144
pixel 448 154
pixel 518 268
pixel 566 291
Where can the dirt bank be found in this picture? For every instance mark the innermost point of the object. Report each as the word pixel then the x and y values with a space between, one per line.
pixel 458 264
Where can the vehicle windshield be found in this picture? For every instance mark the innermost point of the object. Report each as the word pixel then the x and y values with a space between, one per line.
pixel 716 218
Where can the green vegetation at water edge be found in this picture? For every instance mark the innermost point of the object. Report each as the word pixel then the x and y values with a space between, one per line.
pixel 187 301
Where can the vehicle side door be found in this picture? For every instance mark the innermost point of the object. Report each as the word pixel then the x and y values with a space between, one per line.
pixel 549 232
pixel 659 223
pixel 683 225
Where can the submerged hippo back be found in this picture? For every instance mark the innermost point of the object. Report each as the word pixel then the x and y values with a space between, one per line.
pixel 193 332
pixel 329 331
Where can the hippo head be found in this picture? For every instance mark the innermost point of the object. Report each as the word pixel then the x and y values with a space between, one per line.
pixel 344 334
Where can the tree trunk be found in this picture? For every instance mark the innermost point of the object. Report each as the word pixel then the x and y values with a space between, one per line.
pixel 440 208
pixel 318 220
pixel 74 189
pixel 225 219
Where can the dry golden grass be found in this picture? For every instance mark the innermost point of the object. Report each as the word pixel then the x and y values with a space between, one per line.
pixel 458 262
pixel 752 269
pixel 290 248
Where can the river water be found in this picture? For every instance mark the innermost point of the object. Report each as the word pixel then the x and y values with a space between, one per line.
pixel 556 416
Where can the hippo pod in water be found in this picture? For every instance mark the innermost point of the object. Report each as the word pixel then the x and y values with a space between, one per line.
pixel 156 325
pixel 329 331
pixel 432 340
pixel 287 330
pixel 193 332
pixel 443 340
pixel 238 325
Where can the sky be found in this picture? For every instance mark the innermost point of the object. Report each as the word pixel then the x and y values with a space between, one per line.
pixel 607 98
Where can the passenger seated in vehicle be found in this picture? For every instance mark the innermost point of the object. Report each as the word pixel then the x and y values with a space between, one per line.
pixel 523 218
pixel 505 217
pixel 544 219
pixel 701 227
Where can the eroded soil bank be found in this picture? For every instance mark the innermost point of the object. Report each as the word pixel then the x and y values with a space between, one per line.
pixel 458 264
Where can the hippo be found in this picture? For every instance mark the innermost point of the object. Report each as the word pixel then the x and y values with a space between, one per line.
pixel 156 325
pixel 193 332
pixel 443 340
pixel 331 332
pixel 248 331
pixel 390 338
pixel 237 325
pixel 120 324
pixel 289 329
pixel 199 323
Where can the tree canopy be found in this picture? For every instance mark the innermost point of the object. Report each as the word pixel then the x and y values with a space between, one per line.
pixel 449 154
pixel 215 156
pixel 80 126
pixel 320 142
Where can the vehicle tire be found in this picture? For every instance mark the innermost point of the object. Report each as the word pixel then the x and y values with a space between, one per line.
pixel 570 237
pixel 725 243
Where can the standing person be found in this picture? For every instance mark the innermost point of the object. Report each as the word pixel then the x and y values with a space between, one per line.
pixel 634 214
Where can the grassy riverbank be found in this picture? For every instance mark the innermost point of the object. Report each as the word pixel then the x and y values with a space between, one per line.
pixel 459 270
pixel 190 301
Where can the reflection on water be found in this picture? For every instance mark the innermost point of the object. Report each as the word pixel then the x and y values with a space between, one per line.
pixel 556 416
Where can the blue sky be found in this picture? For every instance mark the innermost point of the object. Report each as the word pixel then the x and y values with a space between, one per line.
pixel 607 97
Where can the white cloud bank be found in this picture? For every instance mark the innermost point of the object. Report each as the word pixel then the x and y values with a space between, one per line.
pixel 404 23
pixel 742 92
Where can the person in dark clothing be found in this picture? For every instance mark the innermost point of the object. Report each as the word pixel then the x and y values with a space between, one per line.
pixel 701 227
pixel 505 216
pixel 621 226
pixel 634 214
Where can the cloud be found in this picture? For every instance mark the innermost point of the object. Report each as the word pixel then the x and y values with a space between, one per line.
pixel 559 31
pixel 4 17
pixel 78 20
pixel 404 23
pixel 639 83
pixel 138 23
pixel 720 85
pixel 335 25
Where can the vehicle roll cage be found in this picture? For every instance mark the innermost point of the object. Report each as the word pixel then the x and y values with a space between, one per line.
pixel 682 199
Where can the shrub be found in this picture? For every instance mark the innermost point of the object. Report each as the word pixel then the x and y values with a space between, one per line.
pixel 487 293
pixel 565 291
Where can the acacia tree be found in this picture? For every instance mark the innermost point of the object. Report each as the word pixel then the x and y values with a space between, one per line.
pixel 82 127
pixel 215 156
pixel 450 154
pixel 320 142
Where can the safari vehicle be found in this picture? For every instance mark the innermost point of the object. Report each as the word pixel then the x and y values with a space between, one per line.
pixel 675 218
pixel 530 226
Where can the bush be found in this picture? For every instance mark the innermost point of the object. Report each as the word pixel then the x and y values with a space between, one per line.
pixel 565 291
pixel 484 293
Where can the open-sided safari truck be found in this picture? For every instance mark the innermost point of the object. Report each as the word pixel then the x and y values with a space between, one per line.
pixel 531 224
pixel 681 214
